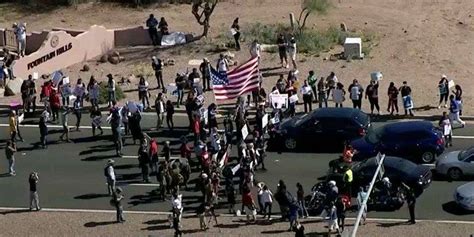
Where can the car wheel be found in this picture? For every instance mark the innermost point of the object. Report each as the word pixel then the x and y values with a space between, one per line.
pixel 290 143
pixel 428 157
pixel 455 173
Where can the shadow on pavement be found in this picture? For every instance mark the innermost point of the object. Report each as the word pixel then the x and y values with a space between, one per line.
pixel 102 223
pixel 158 227
pixel 155 222
pixel 272 232
pixel 98 148
pixel 317 234
pixel 15 211
pixel 91 196
pixel 4 175
pixel 229 226
pixel 96 158
pixel 453 208
pixel 149 197
pixel 392 224
pixel 124 167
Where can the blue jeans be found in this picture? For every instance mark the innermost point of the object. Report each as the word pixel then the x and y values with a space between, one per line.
pixel 180 96
pixel 11 165
pixel 111 96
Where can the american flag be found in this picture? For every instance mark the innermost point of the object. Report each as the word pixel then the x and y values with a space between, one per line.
pixel 237 81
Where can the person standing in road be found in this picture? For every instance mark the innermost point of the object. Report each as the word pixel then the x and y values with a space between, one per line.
pixel 445 125
pixel 143 92
pixel 177 205
pixel 341 212
pixel 77 112
pixel 96 117
pixel 307 96
pixel 157 66
pixel 55 104
pixel 117 198
pixel 372 93
pixel 34 197
pixel 169 115
pixel 206 75
pixel 10 150
pixel 12 121
pixel 356 91
pixel 43 129
pixel 332 218
pixel 454 111
pixel 361 196
pixel 153 154
pixel 160 110
pixel 144 161
pixel 152 23
pixel 458 97
pixel 267 200
pixel 235 29
pixel 322 93
pixel 115 122
pixel 109 173
pixel 300 198
pixel 110 90
pixel 392 98
pixel 411 201
pixel 348 178
pixel 443 86
pixel 405 92
pixel 64 119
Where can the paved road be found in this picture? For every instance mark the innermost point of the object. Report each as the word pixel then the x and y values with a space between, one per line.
pixel 71 174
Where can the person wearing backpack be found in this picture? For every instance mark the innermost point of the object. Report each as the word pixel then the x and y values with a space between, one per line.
pixel 109 173
pixel 356 91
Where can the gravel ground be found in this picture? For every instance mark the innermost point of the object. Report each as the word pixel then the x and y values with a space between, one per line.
pixel 24 223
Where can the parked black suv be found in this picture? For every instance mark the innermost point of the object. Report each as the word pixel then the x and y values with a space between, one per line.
pixel 324 127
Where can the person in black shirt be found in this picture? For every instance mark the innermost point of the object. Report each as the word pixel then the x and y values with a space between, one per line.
pixel 144 160
pixel 163 25
pixel 180 85
pixel 157 66
pixel 34 198
pixel 372 93
pixel 206 77
pixel 405 91
pixel 193 75
pixel 152 23
pixel 281 41
pixel 169 115
pixel 96 116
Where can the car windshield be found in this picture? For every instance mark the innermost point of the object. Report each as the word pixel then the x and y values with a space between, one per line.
pixel 302 119
pixel 466 153
pixel 374 135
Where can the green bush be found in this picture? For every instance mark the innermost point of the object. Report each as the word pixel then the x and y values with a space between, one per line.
pixel 103 93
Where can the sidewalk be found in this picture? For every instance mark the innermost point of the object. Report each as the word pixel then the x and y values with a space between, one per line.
pixel 44 223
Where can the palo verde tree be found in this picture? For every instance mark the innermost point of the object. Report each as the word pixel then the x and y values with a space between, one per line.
pixel 309 7
pixel 202 11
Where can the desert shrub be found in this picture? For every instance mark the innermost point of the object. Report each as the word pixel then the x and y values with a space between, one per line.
pixel 103 93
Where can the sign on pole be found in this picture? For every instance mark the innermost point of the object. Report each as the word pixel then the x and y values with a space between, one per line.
pixel 265 121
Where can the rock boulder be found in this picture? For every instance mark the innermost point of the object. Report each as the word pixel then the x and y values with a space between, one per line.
pixel 13 87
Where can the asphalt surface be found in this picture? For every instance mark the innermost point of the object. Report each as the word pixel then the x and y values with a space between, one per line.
pixel 71 174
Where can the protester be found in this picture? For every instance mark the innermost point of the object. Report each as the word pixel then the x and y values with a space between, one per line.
pixel 160 110
pixel 115 122
pixel 255 49
pixel 153 154
pixel 144 160
pixel 152 23
pixel 372 93
pixel 64 120
pixel 454 109
pixel 458 97
pixel 110 90
pixel 94 91
pixel 180 85
pixel 34 197
pixel 332 218
pixel 339 95
pixel 157 66
pixel 267 200
pixel 8 63
pixel 235 29
pixel 312 79
pixel 322 92
pixel 143 93
pixel 12 121
pixel 193 78
pixel 331 82
pixel 282 50
pixel 80 92
pixel 445 126
pixel 222 64
pixel 96 117
pixel 28 95
pixel 405 92
pixel 20 33
pixel 76 109
pixel 169 115
pixel 361 196
pixel 248 203
pixel 163 26
pixel 177 206
pixel 411 202
pixel 10 150
pixel 292 52
pixel 43 129
pixel 341 212
pixel 443 86
pixel 307 96
pixel 166 151
pixel 55 104
pixel 301 202
pixel 117 198
pixel 66 91
pixel 356 91
pixel 347 178
pixel 206 75
pixel 392 98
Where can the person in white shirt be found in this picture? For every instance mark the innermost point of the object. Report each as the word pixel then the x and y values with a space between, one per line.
pixel 307 93
pixel 255 49
pixel 338 94
pixel 292 52
pixel 20 33
pixel 94 90
pixel 110 175
pixel 80 91
pixel 222 64
pixel 143 92
pixel 267 200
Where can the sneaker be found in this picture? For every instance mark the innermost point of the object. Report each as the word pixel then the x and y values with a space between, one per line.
pixel 439 106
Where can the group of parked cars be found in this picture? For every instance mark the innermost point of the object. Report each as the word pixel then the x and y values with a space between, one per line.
pixel 406 144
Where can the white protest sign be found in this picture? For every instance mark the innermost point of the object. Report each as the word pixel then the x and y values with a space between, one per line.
pixel 294 98
pixel 265 120
pixel 245 131
pixel 279 101
pixel 235 169
pixel 451 84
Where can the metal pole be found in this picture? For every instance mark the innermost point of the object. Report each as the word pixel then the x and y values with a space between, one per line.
pixel 364 202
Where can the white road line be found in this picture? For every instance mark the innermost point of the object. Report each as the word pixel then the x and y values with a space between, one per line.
pixel 224 215
pixel 464 137
pixel 51 126
pixel 138 184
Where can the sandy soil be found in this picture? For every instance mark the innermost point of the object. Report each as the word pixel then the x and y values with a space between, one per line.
pixel 102 224
pixel 418 41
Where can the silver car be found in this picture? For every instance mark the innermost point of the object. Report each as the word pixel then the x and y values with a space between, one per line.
pixel 464 196
pixel 456 164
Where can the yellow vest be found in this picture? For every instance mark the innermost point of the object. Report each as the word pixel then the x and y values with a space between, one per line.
pixel 348 176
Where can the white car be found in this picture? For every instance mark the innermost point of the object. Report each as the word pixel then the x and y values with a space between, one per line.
pixel 464 196
pixel 456 164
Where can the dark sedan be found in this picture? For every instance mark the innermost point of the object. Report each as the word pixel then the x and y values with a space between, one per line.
pixel 419 141
pixel 325 127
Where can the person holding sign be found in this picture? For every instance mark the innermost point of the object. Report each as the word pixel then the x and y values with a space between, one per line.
pixel 405 91
pixel 443 87
pixel 356 92
pixel 307 96
pixel 96 117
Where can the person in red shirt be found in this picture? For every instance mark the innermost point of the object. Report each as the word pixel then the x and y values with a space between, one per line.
pixel 55 103
pixel 185 150
pixel 348 153
pixel 247 201
pixel 196 128
pixel 153 153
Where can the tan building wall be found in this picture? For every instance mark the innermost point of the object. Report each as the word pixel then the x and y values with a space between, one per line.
pixel 34 40
pixel 61 50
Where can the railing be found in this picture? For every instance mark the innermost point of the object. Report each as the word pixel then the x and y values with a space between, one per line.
pixel 10 40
